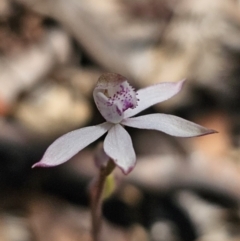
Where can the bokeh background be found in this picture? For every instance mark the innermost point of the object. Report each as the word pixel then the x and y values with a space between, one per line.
pixel 51 55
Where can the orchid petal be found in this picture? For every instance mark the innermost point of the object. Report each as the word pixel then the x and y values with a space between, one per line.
pixel 168 124
pixel 154 94
pixel 113 95
pixel 118 146
pixel 71 143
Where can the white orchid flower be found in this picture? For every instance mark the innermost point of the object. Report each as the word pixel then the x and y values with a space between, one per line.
pixel 117 101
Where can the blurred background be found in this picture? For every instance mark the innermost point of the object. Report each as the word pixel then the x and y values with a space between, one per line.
pixel 51 55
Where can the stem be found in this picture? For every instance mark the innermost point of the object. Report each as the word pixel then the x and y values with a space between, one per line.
pixel 96 199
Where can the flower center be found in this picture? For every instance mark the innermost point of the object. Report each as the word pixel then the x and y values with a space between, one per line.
pixel 123 97
pixel 113 95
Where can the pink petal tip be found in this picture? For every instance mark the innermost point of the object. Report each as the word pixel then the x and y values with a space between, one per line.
pixel 209 132
pixel 181 83
pixel 39 164
pixel 126 172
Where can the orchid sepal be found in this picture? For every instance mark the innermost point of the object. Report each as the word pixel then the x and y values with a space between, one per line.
pixel 118 146
pixel 154 94
pixel 68 145
pixel 169 124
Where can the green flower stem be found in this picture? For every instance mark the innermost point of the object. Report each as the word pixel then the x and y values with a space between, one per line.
pixel 96 195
